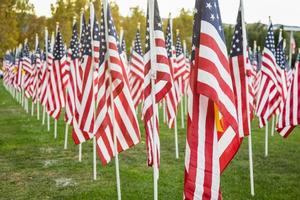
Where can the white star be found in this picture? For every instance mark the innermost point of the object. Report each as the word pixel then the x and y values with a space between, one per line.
pixel 208 5
pixel 212 17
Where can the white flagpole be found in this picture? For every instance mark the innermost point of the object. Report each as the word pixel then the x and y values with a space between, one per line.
pixel 80 153
pixel 154 105
pixel 176 138
pixel 66 136
pixel 266 140
pixel 112 109
pixel 38 111
pixel 247 91
pixel 55 128
pixel 164 111
pixel 273 125
pixel 44 115
pixel 32 108
pixel 48 122
pixel 290 51
pixel 185 96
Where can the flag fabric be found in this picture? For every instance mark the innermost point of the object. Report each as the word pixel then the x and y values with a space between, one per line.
pixel 289 118
pixel 159 70
pixel 181 70
pixel 36 76
pixel 268 99
pixel 76 71
pixel 172 97
pixel 238 67
pixel 212 132
pixel 45 76
pixel 26 70
pixel 87 110
pixel 136 78
pixel 56 96
pixel 72 64
pixel 113 81
pixel 281 69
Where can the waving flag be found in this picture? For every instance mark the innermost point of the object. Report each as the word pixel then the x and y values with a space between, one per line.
pixel 27 70
pixel 136 79
pixel 156 67
pixel 75 54
pixel 268 99
pixel 238 67
pixel 72 64
pixel 45 74
pixel 36 76
pixel 181 68
pixel 212 133
pixel 289 118
pixel 172 97
pixel 56 95
pixel 113 81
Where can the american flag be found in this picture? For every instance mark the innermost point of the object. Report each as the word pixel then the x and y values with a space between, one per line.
pixel 19 75
pixel 36 76
pixel 238 68
pixel 26 70
pixel 76 70
pixel 289 118
pixel 181 68
pixel 136 79
pixel 87 109
pixel 57 94
pixel 113 81
pixel 212 133
pixel 72 65
pixel 268 99
pixel 45 74
pixel 156 67
pixel 281 68
pixel 172 97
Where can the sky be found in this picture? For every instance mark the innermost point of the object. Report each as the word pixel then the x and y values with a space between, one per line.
pixel 286 13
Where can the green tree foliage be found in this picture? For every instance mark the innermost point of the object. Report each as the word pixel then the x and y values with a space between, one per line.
pixel 18 22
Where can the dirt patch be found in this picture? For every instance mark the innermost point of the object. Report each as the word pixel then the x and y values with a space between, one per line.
pixel 65 182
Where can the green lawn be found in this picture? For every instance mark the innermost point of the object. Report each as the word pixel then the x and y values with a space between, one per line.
pixel 33 165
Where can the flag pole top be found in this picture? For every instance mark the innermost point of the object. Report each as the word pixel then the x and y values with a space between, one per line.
pixel 46 28
pixel 74 19
pixel 270 19
pixel 121 28
pixel 177 31
pixel 139 25
pixel 170 15
pixel 280 30
pixel 258 48
pixel 298 50
pixel 81 10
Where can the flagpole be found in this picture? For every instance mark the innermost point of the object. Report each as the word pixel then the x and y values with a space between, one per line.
pixel 44 115
pixel 112 108
pixel 92 14
pixel 154 105
pixel 48 122
pixel 273 125
pixel 38 111
pixel 185 96
pixel 245 44
pixel 80 152
pixel 266 140
pixel 290 52
pixel 66 136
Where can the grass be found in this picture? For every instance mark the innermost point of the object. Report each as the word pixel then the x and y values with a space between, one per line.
pixel 33 165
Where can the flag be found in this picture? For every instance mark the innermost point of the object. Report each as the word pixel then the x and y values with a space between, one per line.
pixel 268 97
pixel 72 64
pixel 45 75
pixel 76 71
pixel 113 81
pixel 136 78
pixel 289 118
pixel 156 67
pixel 181 68
pixel 212 132
pixel 238 68
pixel 56 94
pixel 173 96
pixel 26 70
pixel 281 68
pixel 36 76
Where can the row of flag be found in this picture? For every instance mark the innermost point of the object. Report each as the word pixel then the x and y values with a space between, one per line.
pixel 100 90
